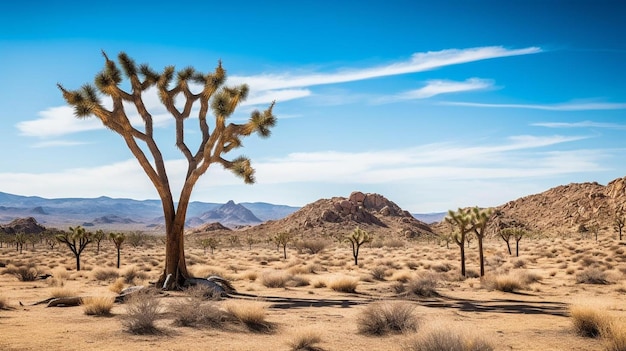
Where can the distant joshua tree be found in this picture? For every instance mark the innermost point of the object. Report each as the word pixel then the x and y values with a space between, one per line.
pixel 216 139
pixel 619 222
pixel 20 239
pixel 76 240
pixel 98 236
pixel 516 233
pixel 281 240
pixel 357 238
pixel 480 219
pixel 117 239
pixel 462 219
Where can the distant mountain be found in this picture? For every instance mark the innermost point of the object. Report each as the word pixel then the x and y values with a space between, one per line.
pixel 430 217
pixel 230 214
pixel 122 214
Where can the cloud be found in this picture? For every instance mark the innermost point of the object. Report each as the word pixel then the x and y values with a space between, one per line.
pixel 438 87
pixel 419 62
pixel 570 106
pixel 55 143
pixel 583 124
pixel 57 121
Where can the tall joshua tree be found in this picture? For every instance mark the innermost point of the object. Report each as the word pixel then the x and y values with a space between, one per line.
pixel 76 240
pixel 462 219
pixel 357 238
pixel 215 142
pixel 480 219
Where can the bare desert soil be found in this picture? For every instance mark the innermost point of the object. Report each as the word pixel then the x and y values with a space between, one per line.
pixel 533 317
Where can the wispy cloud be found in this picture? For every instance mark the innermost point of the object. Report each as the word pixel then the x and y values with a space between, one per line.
pixel 570 106
pixel 583 124
pixel 438 87
pixel 57 143
pixel 419 62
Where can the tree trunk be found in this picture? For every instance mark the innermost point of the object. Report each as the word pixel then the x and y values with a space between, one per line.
pixel 517 248
pixel 118 258
pixel 508 246
pixel 77 262
pixel 462 246
pixel 481 256
pixel 285 251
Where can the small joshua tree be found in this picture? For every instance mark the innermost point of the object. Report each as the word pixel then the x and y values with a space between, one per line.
pixel 357 238
pixel 98 236
pixel 480 219
pixel 250 240
pixel 20 239
pixel 76 240
pixel 118 240
pixel 506 234
pixel 281 240
pixel 518 234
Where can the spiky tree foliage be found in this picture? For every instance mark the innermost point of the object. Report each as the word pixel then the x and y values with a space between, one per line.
pixel 357 238
pixel 506 234
pixel 179 100
pixel 209 243
pixel 76 240
pixel 462 220
pixel 98 236
pixel 480 219
pixel 517 234
pixel 117 239
pixel 619 221
pixel 281 240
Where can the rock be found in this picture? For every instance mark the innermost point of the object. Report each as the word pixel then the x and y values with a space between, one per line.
pixel 357 197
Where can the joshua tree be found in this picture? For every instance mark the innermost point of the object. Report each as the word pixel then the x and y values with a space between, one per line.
pixel 118 240
pixel 98 236
pixel 480 219
pixel 250 240
pixel 619 222
pixel 518 234
pixel 281 240
pixel 77 239
pixel 357 238
pixel 213 146
pixel 20 239
pixel 462 219
pixel 506 234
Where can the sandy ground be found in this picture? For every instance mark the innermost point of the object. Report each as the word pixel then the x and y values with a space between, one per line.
pixel 534 317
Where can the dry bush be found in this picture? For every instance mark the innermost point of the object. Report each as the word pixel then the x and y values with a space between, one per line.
pixel 441 267
pixel 344 284
pixel 142 310
pixel 446 340
pixel 193 312
pixel 394 243
pixel 61 273
pixel 592 276
pixel 319 284
pixel 519 263
pixel 251 275
pixel 62 292
pixel 402 276
pixel 589 322
pixel 24 273
pixel 382 318
pixel 379 273
pixel 4 304
pixel 305 340
pixel 424 285
pixel 252 315
pixel 297 280
pixel 132 275
pixel 275 279
pixel 616 337
pixel 504 283
pixel 117 286
pixel 105 274
pixel 313 246
pixel 97 305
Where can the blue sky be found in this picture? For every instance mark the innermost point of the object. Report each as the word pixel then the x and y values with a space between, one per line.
pixel 433 104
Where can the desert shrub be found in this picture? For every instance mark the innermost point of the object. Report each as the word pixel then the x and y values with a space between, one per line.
pixel 312 246
pixel 97 305
pixel 616 337
pixel 470 273
pixel 384 317
pixel 344 284
pixel 592 276
pixel 423 286
pixel 62 292
pixel 510 282
pixel 297 280
pixel 319 284
pixel 250 315
pixel 142 310
pixel 519 263
pixel 24 273
pixel 117 286
pixel 441 267
pixel 275 279
pixel 305 341
pixel 104 274
pixel 379 273
pixel 589 322
pixel 132 274
pixel 193 312
pixel 446 340
pixel 394 243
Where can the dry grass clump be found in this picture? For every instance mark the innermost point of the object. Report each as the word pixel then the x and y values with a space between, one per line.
pixel 312 246
pixel 117 286
pixel 379 273
pixel 589 322
pixel 105 274
pixel 441 267
pixel 616 337
pixel 97 305
pixel 24 273
pixel 252 315
pixel 306 340
pixel 344 284
pixel 592 276
pixel 4 304
pixel 142 311
pixel 511 282
pixel 275 279
pixel 383 318
pixel 424 286
pixel 193 312
pixel 62 292
pixel 446 340
pixel 132 275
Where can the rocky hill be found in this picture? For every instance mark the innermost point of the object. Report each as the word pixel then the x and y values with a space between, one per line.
pixel 228 214
pixel 563 210
pixel 22 225
pixel 340 215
